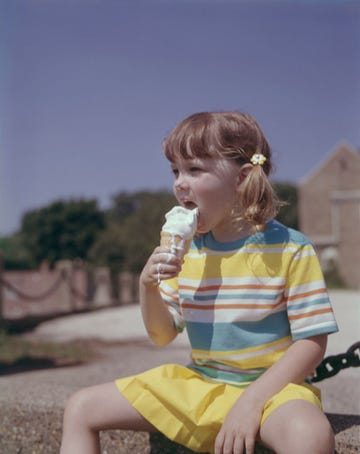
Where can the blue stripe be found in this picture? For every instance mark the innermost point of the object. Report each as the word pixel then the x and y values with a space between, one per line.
pixel 235 378
pixel 328 329
pixel 240 335
pixel 275 233
pixel 219 296
pixel 319 302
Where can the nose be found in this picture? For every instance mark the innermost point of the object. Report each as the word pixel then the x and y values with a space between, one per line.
pixel 180 183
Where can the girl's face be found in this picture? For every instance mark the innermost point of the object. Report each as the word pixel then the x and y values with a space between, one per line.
pixel 209 184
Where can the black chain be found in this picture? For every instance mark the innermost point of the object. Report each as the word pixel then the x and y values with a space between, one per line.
pixel 331 365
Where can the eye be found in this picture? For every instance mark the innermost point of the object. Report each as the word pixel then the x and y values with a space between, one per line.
pixel 175 171
pixel 195 166
pixel 195 169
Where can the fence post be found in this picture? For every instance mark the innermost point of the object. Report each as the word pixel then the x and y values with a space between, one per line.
pixel 126 287
pixel 103 291
pixel 66 268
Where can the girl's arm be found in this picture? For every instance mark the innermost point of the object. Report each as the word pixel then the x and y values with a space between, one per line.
pixel 158 321
pixel 242 423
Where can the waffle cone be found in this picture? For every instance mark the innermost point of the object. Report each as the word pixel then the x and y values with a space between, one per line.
pixel 175 243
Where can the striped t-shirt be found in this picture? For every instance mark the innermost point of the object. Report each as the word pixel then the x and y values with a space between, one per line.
pixel 244 302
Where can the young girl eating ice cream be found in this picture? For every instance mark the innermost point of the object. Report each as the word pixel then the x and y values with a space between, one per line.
pixel 250 295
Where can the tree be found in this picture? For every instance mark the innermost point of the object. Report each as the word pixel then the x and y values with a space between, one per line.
pixel 133 230
pixel 15 255
pixel 62 230
pixel 288 214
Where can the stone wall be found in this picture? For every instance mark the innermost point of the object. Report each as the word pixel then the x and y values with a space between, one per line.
pixel 329 212
pixel 71 286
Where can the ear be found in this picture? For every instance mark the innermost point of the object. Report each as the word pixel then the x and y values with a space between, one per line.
pixel 244 171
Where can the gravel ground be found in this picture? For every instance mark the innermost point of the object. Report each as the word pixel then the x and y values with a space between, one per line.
pixel 32 402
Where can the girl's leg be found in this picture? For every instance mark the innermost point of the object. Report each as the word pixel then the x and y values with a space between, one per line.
pixel 298 427
pixel 93 409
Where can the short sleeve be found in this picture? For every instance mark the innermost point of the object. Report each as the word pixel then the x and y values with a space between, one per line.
pixel 170 295
pixel 308 304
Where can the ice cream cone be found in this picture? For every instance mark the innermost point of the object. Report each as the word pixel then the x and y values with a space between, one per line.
pixel 179 230
pixel 177 245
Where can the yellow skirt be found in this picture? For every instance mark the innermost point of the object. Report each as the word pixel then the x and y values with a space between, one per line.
pixel 190 410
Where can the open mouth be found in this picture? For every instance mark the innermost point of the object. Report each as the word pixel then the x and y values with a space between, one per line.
pixel 189 205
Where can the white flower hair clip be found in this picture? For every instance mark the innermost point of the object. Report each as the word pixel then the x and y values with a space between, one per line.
pixel 257 159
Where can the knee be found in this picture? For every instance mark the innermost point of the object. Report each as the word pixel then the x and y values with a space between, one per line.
pixel 307 436
pixel 78 408
pixel 325 438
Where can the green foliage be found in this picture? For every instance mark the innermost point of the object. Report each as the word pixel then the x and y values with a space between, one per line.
pixel 15 255
pixel 62 230
pixel 13 349
pixel 332 277
pixel 288 214
pixel 108 249
pixel 134 223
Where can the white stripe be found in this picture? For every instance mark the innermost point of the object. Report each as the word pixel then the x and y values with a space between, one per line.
pixel 306 252
pixel 308 287
pixel 227 315
pixel 312 323
pixel 216 300
pixel 275 250
pixel 246 280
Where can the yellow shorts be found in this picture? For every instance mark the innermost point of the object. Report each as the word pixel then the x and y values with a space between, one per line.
pixel 190 410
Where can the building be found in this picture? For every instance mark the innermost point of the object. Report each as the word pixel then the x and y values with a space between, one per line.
pixel 329 212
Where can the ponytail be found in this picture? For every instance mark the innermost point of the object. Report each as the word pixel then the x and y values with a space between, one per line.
pixel 258 202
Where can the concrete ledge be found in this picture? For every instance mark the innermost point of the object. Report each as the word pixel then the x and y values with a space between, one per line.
pixel 161 445
pixel 346 429
pixel 32 431
pixel 347 432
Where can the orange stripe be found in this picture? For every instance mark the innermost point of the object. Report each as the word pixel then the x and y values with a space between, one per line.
pixel 310 293
pixel 170 295
pixel 310 314
pixel 227 306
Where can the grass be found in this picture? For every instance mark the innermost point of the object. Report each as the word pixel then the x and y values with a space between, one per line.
pixel 15 349
pixel 333 278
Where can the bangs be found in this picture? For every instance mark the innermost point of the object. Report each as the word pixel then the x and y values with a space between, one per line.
pixel 192 138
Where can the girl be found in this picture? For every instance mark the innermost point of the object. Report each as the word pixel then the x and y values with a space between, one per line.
pixel 251 296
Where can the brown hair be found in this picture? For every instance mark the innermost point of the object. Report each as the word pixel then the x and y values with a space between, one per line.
pixel 231 135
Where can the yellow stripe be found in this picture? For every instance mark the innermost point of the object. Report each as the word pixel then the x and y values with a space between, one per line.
pixel 237 266
pixel 305 271
pixel 244 351
pixel 262 361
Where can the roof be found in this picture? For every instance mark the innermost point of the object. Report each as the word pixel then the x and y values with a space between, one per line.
pixel 342 149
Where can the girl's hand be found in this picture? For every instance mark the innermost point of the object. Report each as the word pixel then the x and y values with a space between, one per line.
pixel 239 430
pixel 161 265
pixel 158 321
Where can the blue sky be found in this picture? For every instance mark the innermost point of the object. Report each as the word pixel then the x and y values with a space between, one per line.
pixel 89 88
